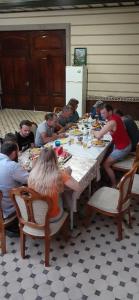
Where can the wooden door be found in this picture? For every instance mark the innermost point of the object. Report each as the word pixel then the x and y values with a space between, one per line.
pixel 49 60
pixel 15 70
pixel 32 66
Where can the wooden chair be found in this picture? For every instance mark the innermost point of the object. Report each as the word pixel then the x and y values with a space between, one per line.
pixel 135 186
pixel 33 214
pixel 57 109
pixel 34 127
pixel 3 224
pixel 126 164
pixel 114 202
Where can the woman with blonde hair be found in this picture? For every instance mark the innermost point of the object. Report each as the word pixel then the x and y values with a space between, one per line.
pixel 47 179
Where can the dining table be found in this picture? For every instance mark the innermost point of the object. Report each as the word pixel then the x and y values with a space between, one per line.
pixel 84 162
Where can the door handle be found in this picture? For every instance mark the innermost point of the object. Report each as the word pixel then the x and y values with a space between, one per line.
pixel 27 83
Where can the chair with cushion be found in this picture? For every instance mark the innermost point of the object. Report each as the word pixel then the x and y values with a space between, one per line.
pixel 4 222
pixel 34 127
pixel 33 214
pixel 135 187
pixel 126 164
pixel 114 202
pixel 57 109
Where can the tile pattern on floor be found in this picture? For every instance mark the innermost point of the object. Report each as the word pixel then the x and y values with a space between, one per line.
pixel 11 118
pixel 92 266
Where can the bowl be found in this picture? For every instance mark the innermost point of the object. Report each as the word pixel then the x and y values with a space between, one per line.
pixel 57 143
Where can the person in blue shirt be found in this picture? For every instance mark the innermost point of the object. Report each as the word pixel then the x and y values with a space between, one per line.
pixel 12 175
pixel 75 116
pixel 95 111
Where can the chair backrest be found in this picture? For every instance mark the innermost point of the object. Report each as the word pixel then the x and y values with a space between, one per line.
pixel 1 211
pixel 31 207
pixel 137 154
pixel 57 109
pixel 34 127
pixel 125 187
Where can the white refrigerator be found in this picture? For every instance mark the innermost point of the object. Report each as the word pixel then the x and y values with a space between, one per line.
pixel 76 86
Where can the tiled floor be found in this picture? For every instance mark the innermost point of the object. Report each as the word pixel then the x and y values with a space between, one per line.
pixel 10 119
pixel 91 266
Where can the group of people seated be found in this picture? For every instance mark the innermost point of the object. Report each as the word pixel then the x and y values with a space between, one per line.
pixel 52 128
pixel 46 176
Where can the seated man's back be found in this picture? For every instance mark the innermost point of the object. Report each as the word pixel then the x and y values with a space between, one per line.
pixel 132 131
pixel 11 175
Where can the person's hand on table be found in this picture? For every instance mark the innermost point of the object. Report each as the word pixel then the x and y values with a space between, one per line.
pixel 54 136
pixel 68 170
pixel 62 135
pixel 32 145
pixel 95 134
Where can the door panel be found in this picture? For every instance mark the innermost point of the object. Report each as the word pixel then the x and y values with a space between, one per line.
pixel 22 75
pixel 45 40
pixel 57 77
pixel 14 44
pixel 7 77
pixel 42 102
pixel 33 69
pixel 22 102
pixel 57 74
pixel 40 75
pixel 41 83
pixel 15 82
pixel 48 51
pixel 7 100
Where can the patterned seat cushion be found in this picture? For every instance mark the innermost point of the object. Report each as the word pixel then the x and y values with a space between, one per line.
pixel 135 186
pixel 54 227
pixel 106 199
pixel 125 164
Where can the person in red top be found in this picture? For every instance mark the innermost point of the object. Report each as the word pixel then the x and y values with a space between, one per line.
pixel 120 138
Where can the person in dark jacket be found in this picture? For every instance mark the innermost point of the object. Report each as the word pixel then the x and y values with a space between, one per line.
pixel 131 127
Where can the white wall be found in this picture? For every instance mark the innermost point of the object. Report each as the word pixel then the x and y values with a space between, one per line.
pixel 111 36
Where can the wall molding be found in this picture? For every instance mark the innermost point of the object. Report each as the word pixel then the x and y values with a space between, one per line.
pixel 114 98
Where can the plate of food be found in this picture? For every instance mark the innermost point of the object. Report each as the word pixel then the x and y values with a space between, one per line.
pixel 98 143
pixel 35 152
pixel 76 132
pixel 96 125
pixel 74 126
pixel 63 141
pixel 62 155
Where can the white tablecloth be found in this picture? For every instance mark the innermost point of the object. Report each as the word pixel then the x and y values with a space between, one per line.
pixel 85 165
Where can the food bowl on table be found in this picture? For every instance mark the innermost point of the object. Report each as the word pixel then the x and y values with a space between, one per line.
pixel 35 152
pixel 62 155
pixel 96 126
pixel 98 143
pixel 64 140
pixel 76 132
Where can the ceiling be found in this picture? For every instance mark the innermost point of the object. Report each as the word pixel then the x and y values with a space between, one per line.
pixel 40 5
